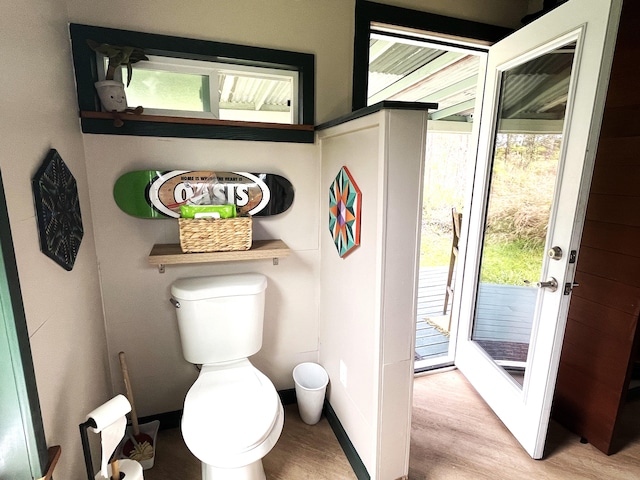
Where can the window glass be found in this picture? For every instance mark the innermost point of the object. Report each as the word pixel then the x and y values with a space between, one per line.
pixel 262 98
pixel 192 88
pixel 157 89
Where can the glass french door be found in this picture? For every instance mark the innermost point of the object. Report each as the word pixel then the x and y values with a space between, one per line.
pixel 519 211
pixel 542 108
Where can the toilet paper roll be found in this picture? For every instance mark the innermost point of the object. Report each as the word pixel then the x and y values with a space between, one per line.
pixel 111 422
pixel 109 412
pixel 131 469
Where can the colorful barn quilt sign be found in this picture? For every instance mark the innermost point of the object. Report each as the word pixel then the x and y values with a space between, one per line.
pixel 345 200
pixel 57 211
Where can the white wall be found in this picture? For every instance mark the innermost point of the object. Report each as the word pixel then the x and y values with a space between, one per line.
pixel 350 311
pixel 368 299
pixel 140 319
pixel 63 309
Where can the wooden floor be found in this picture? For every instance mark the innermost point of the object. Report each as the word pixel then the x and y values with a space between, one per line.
pixel 303 452
pixel 454 436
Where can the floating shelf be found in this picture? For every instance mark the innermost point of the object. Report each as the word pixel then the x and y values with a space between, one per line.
pixel 164 126
pixel 171 254
pixel 193 121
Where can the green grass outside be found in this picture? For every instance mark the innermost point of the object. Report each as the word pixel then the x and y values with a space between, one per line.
pixel 512 263
pixel 435 250
pixel 507 263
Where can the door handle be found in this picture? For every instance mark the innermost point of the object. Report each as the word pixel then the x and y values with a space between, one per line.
pixel 551 284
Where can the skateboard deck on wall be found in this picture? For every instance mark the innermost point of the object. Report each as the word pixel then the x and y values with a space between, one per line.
pixel 159 194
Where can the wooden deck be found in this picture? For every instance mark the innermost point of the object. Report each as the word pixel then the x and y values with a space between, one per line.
pixel 430 342
pixel 504 313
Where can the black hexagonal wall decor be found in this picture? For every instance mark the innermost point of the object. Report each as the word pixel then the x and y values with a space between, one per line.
pixel 57 210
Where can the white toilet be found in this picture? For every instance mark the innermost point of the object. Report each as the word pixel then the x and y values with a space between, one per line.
pixel 232 414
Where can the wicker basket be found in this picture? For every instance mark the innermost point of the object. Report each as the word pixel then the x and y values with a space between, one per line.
pixel 214 235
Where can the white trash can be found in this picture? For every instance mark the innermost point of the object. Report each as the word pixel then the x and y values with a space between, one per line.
pixel 311 384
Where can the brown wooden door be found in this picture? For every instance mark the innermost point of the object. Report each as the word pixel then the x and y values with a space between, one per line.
pixel 602 332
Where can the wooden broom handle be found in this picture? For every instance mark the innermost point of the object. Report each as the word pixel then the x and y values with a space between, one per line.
pixel 127 384
pixel 115 470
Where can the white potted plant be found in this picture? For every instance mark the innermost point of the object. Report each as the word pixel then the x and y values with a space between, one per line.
pixel 110 91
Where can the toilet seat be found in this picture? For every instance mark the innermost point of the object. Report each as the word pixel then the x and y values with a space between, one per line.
pixel 230 411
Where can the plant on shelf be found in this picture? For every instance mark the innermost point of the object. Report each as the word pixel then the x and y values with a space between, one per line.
pixel 118 56
pixel 110 91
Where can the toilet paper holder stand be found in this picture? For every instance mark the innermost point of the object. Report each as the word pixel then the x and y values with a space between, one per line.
pixel 109 417
pixel 86 449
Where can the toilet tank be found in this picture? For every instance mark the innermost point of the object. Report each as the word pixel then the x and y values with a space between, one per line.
pixel 220 318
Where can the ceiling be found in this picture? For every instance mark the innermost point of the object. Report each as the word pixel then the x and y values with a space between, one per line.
pixel 413 73
pixel 535 91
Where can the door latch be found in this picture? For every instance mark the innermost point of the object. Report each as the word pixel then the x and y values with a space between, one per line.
pixel 569 286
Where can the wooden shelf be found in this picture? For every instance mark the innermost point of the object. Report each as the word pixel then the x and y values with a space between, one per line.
pixel 171 254
pixel 192 120
pixel 161 126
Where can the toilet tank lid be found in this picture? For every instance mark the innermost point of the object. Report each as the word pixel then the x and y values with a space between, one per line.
pixel 198 288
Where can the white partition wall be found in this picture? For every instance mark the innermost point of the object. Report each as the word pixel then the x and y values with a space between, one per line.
pixel 368 299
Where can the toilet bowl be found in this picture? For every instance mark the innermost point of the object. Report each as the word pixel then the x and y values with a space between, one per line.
pixel 232 418
pixel 232 415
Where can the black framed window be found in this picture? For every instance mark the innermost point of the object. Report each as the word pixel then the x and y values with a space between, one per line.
pixel 88 70
pixel 367 13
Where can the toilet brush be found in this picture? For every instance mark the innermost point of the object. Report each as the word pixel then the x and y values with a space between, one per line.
pixel 139 446
pixel 141 451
